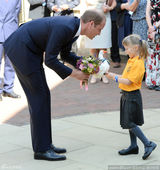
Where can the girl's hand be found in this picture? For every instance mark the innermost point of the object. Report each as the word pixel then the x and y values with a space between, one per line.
pixel 110 75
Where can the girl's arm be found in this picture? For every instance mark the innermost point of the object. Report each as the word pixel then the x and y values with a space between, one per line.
pixel 118 78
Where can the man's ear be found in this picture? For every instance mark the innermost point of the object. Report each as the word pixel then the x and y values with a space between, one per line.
pixel 92 22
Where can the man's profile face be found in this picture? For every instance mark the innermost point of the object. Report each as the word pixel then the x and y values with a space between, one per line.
pixel 94 30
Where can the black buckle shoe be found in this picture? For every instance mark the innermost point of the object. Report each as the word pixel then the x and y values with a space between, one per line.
pixel 11 94
pixel 148 150
pixel 58 150
pixel 129 151
pixel 49 155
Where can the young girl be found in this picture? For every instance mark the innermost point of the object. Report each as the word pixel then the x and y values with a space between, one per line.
pixel 131 112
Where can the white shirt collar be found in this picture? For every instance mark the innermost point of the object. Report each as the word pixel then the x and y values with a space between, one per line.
pixel 79 31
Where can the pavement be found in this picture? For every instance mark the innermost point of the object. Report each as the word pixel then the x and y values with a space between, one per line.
pixel 85 123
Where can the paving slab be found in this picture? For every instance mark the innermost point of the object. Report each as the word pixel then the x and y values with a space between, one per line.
pixel 92 142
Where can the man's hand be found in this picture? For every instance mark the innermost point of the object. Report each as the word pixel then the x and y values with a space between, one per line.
pixel 79 75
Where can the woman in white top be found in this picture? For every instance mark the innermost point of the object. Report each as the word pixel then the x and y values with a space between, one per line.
pixel 103 41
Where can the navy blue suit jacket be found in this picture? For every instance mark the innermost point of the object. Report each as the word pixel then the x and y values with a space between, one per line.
pixel 52 35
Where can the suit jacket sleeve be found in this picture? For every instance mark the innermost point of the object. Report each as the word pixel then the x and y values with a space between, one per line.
pixel 60 40
pixel 68 56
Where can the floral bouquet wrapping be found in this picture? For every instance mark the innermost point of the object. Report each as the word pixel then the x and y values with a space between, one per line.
pixel 104 65
pixel 88 65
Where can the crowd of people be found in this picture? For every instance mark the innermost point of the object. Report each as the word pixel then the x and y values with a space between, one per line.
pixel 123 18
pixel 107 24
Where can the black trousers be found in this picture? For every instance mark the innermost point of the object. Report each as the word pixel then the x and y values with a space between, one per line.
pixel 115 48
pixel 38 97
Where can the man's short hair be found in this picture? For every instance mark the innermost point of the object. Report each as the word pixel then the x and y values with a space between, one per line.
pixel 93 15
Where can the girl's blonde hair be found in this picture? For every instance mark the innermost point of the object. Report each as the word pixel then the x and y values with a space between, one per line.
pixel 135 39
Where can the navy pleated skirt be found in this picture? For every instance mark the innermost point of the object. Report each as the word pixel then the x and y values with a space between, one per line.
pixel 131 109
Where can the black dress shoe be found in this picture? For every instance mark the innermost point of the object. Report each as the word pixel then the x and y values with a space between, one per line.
pixel 148 150
pixel 49 155
pixel 129 151
pixel 58 150
pixel 11 94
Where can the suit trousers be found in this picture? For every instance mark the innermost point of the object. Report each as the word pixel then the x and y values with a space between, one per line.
pixel 9 73
pixel 115 47
pixel 39 103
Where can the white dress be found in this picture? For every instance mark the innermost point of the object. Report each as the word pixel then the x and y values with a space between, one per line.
pixel 103 40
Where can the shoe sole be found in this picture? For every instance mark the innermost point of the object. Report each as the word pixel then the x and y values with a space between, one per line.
pixel 42 158
pixel 149 153
pixel 6 95
pixel 134 153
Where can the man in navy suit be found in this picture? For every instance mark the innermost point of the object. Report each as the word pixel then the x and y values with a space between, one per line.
pixel 25 48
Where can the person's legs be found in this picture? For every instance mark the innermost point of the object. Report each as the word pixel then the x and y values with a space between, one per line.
pixel 94 52
pixel 149 145
pixel 133 139
pixel 1 54
pixel 138 132
pixel 38 97
pixel 9 75
pixel 115 48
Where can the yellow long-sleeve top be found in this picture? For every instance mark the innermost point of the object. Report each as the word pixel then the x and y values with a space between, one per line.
pixel 134 71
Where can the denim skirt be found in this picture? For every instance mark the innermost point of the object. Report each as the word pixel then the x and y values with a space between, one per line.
pixel 131 109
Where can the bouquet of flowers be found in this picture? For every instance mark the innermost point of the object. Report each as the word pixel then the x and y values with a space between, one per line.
pixel 88 65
